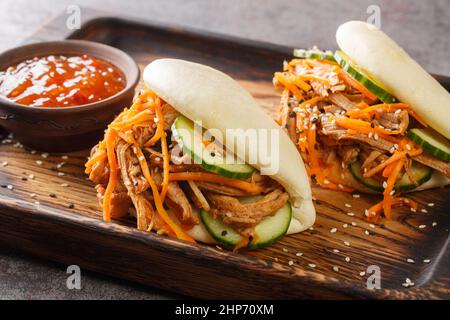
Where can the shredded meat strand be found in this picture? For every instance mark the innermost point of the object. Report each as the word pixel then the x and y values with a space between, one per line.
pixel 243 215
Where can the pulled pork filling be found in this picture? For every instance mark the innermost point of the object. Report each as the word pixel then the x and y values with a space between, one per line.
pixel 137 172
pixel 335 121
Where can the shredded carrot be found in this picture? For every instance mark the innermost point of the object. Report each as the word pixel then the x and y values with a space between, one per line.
pixel 390 183
pixel 363 126
pixel 374 212
pixel 398 155
pixel 165 152
pixel 356 85
pixel 145 115
pixel 289 85
pixel 110 144
pixel 250 187
pixel 99 156
pixel 157 198
pixel 159 129
pixel 366 111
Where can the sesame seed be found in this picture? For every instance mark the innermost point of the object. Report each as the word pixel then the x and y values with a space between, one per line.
pixel 408 280
pixel 392 192
pixel 61 174
pixel 424 211
pixel 336 251
pixel 10 186
pixel 291 262
pixel 348 205
pixel 333 230
pixel 285 250
pixel 141 158
pixel 427 260
pixel 31 176
pixel 60 165
pixel 362 273
pixel 299 254
pixel 44 155
pixel 347 243
pixel 355 195
pixel 366 212
pixel 354 224
pixel 422 226
pixel 375 136
pixel 372 225
pixel 64 157
pixel 37 203
pixel 413 210
pixel 336 268
pixel 33 195
pixel 367 232
pixel 345 225
pixel 347 259
pixel 384 184
pixel 64 184
pixel 4 163
pixel 312 265
pixel 311 228
pixel 434 224
pixel 409 260
pixel 326 181
pixel 351 214
pixel 431 204
pixel 39 162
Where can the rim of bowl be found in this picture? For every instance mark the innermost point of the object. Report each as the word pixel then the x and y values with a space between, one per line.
pixel 130 85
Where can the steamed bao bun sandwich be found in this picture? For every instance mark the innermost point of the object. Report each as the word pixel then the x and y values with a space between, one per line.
pixel 367 118
pixel 152 164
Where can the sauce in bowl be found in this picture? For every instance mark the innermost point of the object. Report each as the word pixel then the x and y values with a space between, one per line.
pixel 60 81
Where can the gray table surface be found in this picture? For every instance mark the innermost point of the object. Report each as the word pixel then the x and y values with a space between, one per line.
pixel 421 27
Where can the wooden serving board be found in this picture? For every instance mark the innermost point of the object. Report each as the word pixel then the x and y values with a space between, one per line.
pixel 49 209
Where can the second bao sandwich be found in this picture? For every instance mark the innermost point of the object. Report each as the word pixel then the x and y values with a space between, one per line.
pixel 145 165
pixel 367 118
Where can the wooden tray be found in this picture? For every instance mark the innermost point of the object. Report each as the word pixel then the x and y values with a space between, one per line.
pixel 43 216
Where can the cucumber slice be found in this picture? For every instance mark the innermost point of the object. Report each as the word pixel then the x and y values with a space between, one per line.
pixel 272 228
pixel 359 75
pixel 371 183
pixel 432 142
pixel 183 131
pixel 420 173
pixel 314 54
pixel 268 231
pixel 220 231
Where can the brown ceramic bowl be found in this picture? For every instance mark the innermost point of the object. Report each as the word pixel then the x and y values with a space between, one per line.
pixel 66 128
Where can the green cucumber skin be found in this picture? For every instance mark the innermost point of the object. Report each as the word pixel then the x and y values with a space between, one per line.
pixel 206 218
pixel 400 186
pixel 223 240
pixel 408 186
pixel 380 93
pixel 428 146
pixel 260 245
pixel 355 169
pixel 210 167
pixel 321 55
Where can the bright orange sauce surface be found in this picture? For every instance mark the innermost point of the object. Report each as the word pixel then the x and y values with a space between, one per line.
pixel 59 81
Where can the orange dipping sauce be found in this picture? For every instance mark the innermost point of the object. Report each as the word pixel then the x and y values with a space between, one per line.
pixel 59 81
